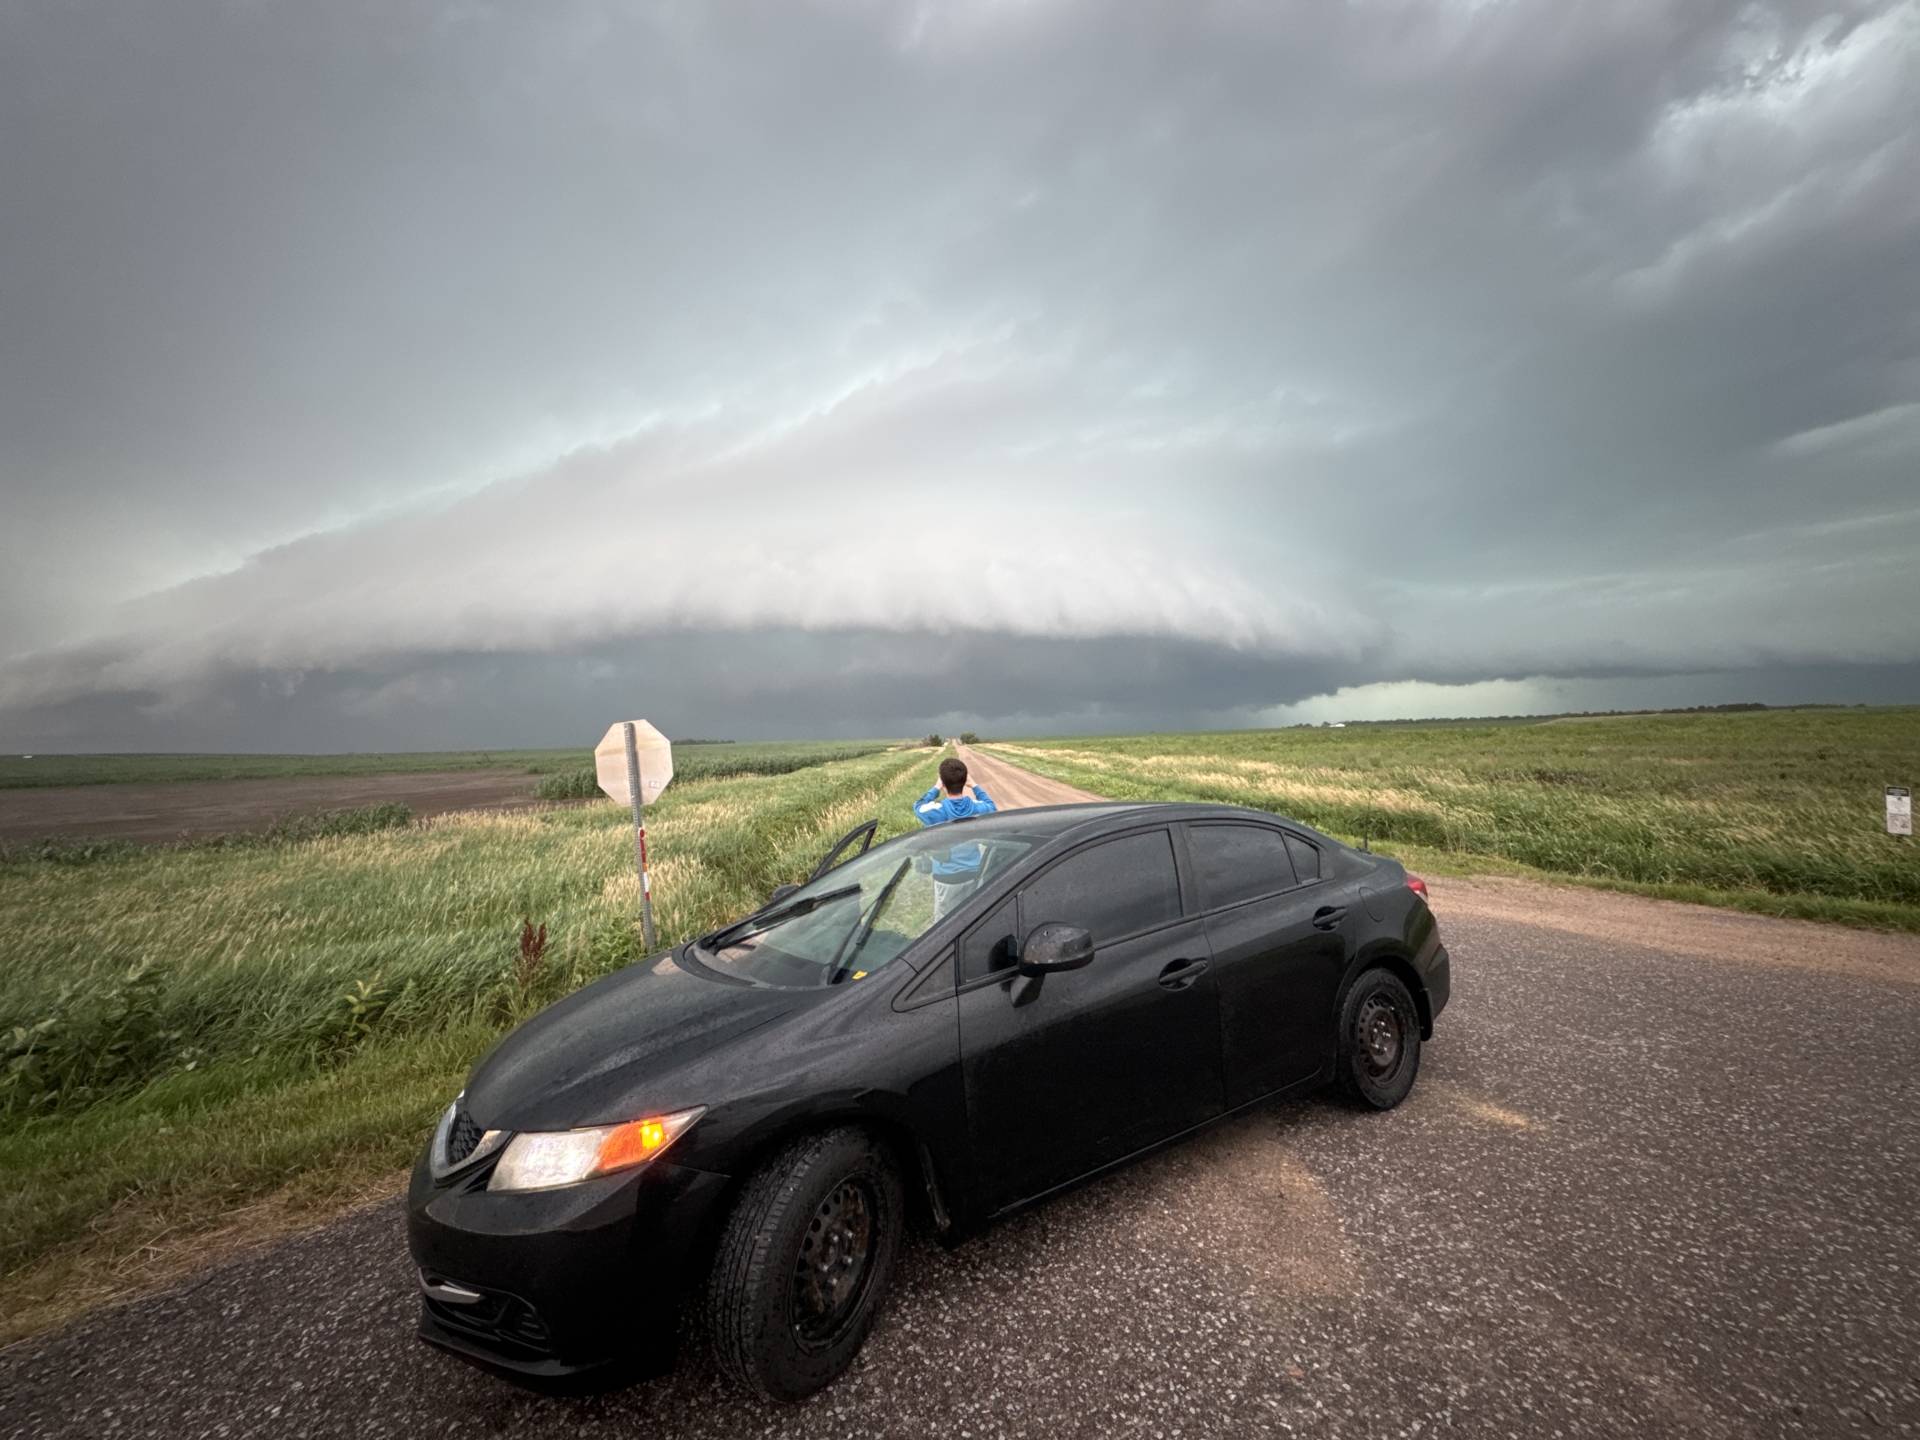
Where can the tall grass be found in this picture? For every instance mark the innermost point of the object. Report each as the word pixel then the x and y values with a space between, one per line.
pixel 1781 803
pixel 155 1002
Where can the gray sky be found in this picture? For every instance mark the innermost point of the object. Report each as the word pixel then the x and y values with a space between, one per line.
pixel 389 374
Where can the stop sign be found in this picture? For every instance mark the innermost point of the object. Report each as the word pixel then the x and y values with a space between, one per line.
pixel 655 753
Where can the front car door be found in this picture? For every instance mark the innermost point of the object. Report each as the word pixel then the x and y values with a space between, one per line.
pixel 1277 934
pixel 1075 1070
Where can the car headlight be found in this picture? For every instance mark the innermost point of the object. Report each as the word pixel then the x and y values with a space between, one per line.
pixel 545 1159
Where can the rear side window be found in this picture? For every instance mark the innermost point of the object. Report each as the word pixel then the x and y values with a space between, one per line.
pixel 1306 859
pixel 1110 889
pixel 1238 862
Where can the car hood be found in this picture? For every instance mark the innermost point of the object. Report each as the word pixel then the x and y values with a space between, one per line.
pixel 595 1056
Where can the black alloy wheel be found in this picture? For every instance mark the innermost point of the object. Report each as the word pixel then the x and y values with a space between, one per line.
pixel 1379 1041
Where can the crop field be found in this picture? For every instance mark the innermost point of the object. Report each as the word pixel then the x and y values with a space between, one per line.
pixel 1777 811
pixel 693 760
pixel 203 1041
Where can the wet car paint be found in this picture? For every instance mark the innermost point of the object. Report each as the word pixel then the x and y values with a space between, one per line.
pixel 993 1091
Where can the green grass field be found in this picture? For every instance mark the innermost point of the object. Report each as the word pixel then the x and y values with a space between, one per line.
pixel 1777 811
pixel 193 1033
pixel 691 761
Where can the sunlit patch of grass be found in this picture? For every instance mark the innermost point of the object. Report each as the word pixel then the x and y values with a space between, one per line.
pixel 1782 808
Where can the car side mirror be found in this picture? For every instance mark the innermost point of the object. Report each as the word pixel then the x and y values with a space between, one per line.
pixel 1050 948
pixel 781 892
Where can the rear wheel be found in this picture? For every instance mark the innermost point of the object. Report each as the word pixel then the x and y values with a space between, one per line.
pixel 804 1262
pixel 1379 1041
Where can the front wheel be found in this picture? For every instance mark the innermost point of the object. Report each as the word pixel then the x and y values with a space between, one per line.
pixel 1379 1041
pixel 804 1262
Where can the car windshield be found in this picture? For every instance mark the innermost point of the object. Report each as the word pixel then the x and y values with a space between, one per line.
pixel 860 916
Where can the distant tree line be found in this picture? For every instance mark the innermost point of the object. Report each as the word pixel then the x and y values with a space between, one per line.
pixel 967 737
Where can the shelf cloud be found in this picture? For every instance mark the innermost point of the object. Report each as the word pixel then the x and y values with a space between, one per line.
pixel 444 373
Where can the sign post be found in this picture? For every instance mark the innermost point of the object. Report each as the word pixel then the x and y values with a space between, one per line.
pixel 634 762
pixel 639 834
pixel 1899 810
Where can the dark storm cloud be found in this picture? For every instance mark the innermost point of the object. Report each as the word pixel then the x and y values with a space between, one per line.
pixel 780 683
pixel 362 368
pixel 762 684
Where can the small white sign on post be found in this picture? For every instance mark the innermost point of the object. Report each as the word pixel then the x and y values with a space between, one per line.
pixel 651 749
pixel 633 763
pixel 1899 810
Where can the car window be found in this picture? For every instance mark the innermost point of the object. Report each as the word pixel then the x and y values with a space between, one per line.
pixel 990 945
pixel 1238 862
pixel 1306 859
pixel 935 983
pixel 1110 889
pixel 861 915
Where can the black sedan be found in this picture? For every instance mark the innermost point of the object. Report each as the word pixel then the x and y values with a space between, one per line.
pixel 948 1026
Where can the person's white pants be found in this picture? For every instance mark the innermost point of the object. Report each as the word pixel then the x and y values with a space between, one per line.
pixel 947 894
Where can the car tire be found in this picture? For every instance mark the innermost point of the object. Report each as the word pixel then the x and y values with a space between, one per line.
pixel 804 1263
pixel 1379 1041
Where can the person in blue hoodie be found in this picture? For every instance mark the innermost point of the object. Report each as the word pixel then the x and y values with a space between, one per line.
pixel 954 874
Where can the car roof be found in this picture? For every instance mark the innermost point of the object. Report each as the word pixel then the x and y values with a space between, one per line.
pixel 1056 821
pixel 1050 820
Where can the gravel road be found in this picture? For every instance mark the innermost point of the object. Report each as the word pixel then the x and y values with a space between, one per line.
pixel 1660 1177
pixel 1013 788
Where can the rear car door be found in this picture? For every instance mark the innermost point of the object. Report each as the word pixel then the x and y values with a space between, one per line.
pixel 1278 940
pixel 1081 1068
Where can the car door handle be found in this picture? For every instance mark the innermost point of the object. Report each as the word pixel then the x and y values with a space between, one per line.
pixel 1329 916
pixel 1179 974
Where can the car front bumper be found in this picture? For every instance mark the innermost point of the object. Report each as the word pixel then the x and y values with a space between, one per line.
pixel 556 1285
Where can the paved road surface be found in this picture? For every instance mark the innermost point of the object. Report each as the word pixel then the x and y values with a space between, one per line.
pixel 1660 1177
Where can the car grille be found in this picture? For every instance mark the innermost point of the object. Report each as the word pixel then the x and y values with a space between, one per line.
pixel 462 1136
pixel 502 1322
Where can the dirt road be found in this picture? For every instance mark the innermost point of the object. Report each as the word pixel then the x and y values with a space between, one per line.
pixel 1657 1179
pixel 1013 788
pixel 187 809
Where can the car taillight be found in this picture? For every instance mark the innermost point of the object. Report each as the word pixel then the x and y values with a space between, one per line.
pixel 1418 886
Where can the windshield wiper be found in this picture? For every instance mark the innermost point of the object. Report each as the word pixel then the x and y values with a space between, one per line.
pixel 859 936
pixel 753 924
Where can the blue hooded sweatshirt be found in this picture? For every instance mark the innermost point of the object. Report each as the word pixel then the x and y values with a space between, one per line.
pixel 936 807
